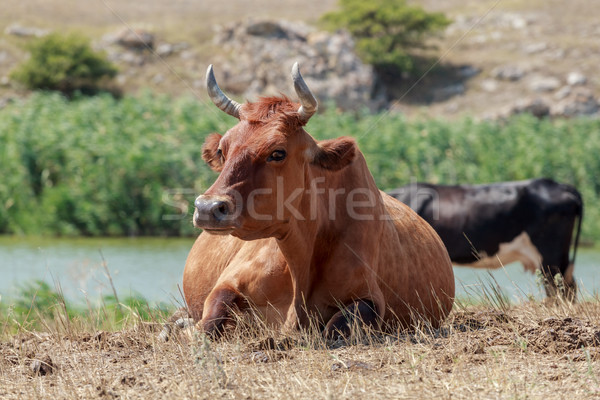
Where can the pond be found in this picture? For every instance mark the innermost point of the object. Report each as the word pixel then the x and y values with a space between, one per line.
pixel 153 267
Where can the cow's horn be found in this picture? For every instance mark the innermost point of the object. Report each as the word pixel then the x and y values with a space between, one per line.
pixel 308 102
pixel 217 96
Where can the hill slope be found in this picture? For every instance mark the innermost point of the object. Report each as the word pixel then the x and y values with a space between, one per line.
pixel 497 56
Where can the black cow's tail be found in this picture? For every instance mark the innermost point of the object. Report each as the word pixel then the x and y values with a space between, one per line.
pixel 579 215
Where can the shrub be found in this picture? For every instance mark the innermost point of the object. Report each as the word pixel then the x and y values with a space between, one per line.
pixel 386 31
pixel 97 166
pixel 66 63
pixel 100 166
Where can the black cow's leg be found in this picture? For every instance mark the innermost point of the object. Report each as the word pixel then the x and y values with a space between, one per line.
pixel 218 311
pixel 567 288
pixel 570 290
pixel 570 286
pixel 548 274
pixel 360 311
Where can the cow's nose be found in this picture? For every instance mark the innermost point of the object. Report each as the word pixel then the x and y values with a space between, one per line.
pixel 213 208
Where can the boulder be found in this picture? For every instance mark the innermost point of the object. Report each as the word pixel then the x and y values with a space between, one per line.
pixel 508 73
pixel 562 92
pixel 24 31
pixel 468 71
pixel 534 48
pixel 165 49
pixel 4 57
pixel 4 101
pixel 578 102
pixel 576 78
pixel 449 91
pixel 135 39
pixel 258 56
pixel 537 107
pixel 544 83
pixel 489 85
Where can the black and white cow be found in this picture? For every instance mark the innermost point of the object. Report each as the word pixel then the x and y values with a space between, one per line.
pixel 491 225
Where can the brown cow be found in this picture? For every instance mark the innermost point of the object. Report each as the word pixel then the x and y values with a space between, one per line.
pixel 296 229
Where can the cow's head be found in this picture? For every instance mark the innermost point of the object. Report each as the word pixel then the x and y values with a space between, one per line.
pixel 266 163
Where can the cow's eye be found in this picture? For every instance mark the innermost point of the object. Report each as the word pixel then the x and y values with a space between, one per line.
pixel 220 154
pixel 277 155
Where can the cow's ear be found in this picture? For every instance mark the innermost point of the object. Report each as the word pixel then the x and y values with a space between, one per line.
pixel 210 153
pixel 335 154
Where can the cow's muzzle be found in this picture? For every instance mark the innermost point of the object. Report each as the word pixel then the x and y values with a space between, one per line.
pixel 215 214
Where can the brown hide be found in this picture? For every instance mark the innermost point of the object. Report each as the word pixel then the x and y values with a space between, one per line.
pixel 398 262
pixel 414 275
pixel 297 228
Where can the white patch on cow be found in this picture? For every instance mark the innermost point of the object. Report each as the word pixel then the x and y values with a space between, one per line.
pixel 520 249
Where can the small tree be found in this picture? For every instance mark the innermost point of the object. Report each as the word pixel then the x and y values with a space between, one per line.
pixel 386 31
pixel 64 62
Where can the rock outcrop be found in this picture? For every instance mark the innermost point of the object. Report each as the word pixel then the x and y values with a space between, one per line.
pixel 258 56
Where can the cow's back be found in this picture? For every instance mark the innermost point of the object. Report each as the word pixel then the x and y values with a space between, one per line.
pixel 415 270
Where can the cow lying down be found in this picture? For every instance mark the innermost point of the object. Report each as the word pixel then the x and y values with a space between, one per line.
pixel 296 230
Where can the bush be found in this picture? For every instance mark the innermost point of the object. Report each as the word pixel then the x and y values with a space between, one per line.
pixel 97 166
pixel 386 31
pixel 66 63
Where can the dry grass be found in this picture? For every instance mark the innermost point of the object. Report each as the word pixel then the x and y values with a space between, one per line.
pixel 176 21
pixel 532 350
pixel 180 18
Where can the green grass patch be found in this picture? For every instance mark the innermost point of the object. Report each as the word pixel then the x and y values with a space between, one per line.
pixel 100 166
pixel 39 306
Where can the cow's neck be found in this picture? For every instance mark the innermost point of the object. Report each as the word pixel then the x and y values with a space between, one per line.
pixel 307 241
pixel 297 246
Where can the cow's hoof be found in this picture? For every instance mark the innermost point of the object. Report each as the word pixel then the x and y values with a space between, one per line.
pixel 180 324
pixel 178 321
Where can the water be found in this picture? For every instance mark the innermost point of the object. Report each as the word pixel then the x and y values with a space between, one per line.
pixel 153 267
pixel 518 284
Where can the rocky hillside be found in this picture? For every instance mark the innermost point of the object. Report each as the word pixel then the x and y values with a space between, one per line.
pixel 496 59
pixel 499 58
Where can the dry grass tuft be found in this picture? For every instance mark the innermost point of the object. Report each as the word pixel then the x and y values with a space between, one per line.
pixel 535 349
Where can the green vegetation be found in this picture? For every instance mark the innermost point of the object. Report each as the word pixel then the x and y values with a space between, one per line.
pixel 467 151
pixel 98 166
pixel 66 63
pixel 386 31
pixel 38 306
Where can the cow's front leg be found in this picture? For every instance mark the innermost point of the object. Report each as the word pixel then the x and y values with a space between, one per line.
pixel 296 317
pixel 180 319
pixel 219 308
pixel 359 312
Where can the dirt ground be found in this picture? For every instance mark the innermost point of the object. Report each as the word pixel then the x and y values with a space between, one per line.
pixel 531 350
